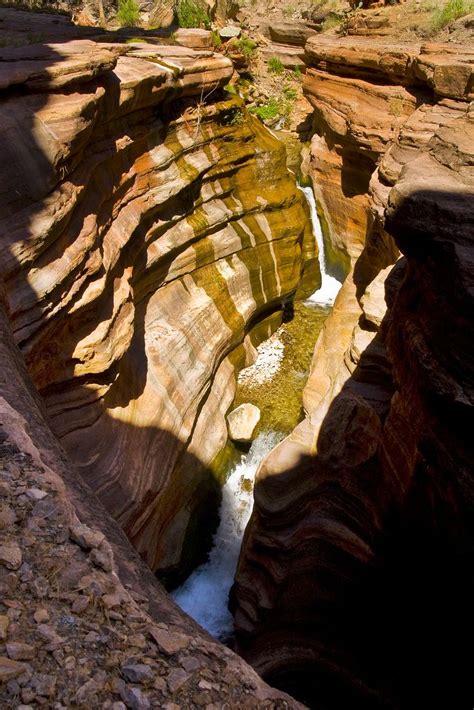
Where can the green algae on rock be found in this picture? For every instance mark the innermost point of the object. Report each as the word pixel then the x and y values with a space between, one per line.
pixel 279 397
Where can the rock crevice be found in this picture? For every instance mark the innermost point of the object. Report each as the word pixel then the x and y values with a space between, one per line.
pixel 352 583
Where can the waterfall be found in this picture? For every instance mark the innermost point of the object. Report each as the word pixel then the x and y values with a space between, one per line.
pixel 205 593
pixel 330 286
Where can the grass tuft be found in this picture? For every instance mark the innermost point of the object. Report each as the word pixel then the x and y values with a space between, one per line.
pixel 452 10
pixel 128 13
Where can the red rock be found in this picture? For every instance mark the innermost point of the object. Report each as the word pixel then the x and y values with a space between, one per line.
pixel 10 669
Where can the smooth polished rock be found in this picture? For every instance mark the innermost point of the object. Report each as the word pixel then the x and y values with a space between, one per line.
pixel 243 421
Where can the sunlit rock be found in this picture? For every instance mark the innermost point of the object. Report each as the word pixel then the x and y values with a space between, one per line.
pixel 242 422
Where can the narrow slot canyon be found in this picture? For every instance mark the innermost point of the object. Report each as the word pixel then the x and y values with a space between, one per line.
pixel 237 367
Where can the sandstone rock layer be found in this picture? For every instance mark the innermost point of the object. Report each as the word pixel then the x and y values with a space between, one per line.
pixel 150 233
pixel 353 584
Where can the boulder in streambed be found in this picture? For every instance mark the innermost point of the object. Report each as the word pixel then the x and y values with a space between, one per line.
pixel 242 422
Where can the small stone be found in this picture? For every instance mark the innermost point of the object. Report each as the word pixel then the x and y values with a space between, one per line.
pixel 137 672
pixel 27 695
pixel 103 557
pixel 44 684
pixel 41 616
pixel 85 537
pixel 40 587
pixel 133 697
pixel 205 685
pixel 5 489
pixel 160 684
pixel 20 651
pixel 190 664
pixel 10 669
pixel 36 494
pixel 112 600
pixel 91 687
pixel 115 615
pixel 7 516
pixel 92 637
pixel 137 640
pixel 48 633
pixel 118 706
pixel 10 555
pixel 167 642
pixel 80 604
pixel 177 678
pixel 24 707
pixel 4 624
pixel 70 663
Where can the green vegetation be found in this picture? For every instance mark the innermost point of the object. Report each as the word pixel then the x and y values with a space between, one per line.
pixel 332 21
pixel 128 13
pixel 275 65
pixel 267 112
pixel 192 13
pixel 216 40
pixel 451 11
pixel 234 116
pixel 278 106
pixel 231 89
pixel 290 93
pixel 246 46
pixel 298 74
pixel 280 399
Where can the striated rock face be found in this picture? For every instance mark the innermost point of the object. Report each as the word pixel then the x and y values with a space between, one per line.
pixel 83 621
pixel 150 233
pixel 353 584
pixel 362 93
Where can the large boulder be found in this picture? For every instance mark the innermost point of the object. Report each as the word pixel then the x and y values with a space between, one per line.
pixel 242 422
pixel 193 38
pixel 295 34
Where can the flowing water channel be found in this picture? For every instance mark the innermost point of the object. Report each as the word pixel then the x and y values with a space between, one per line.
pixel 205 593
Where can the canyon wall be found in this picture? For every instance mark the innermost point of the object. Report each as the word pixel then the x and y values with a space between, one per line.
pixel 354 579
pixel 150 236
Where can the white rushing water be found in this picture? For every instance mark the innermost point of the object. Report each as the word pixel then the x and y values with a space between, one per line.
pixel 205 593
pixel 326 295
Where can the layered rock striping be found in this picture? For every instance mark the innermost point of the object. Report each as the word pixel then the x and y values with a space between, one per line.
pixel 150 234
pixel 353 580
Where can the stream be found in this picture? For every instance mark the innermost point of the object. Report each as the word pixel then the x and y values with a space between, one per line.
pixel 204 595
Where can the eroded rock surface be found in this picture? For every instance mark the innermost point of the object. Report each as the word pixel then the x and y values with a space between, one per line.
pixel 150 233
pixel 353 583
pixel 83 621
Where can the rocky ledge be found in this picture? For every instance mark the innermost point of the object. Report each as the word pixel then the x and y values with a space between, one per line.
pixel 150 235
pixel 353 584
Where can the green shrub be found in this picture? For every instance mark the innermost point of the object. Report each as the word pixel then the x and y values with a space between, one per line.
pixel 192 13
pixel 275 65
pixel 246 46
pixel 268 111
pixel 452 10
pixel 128 13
